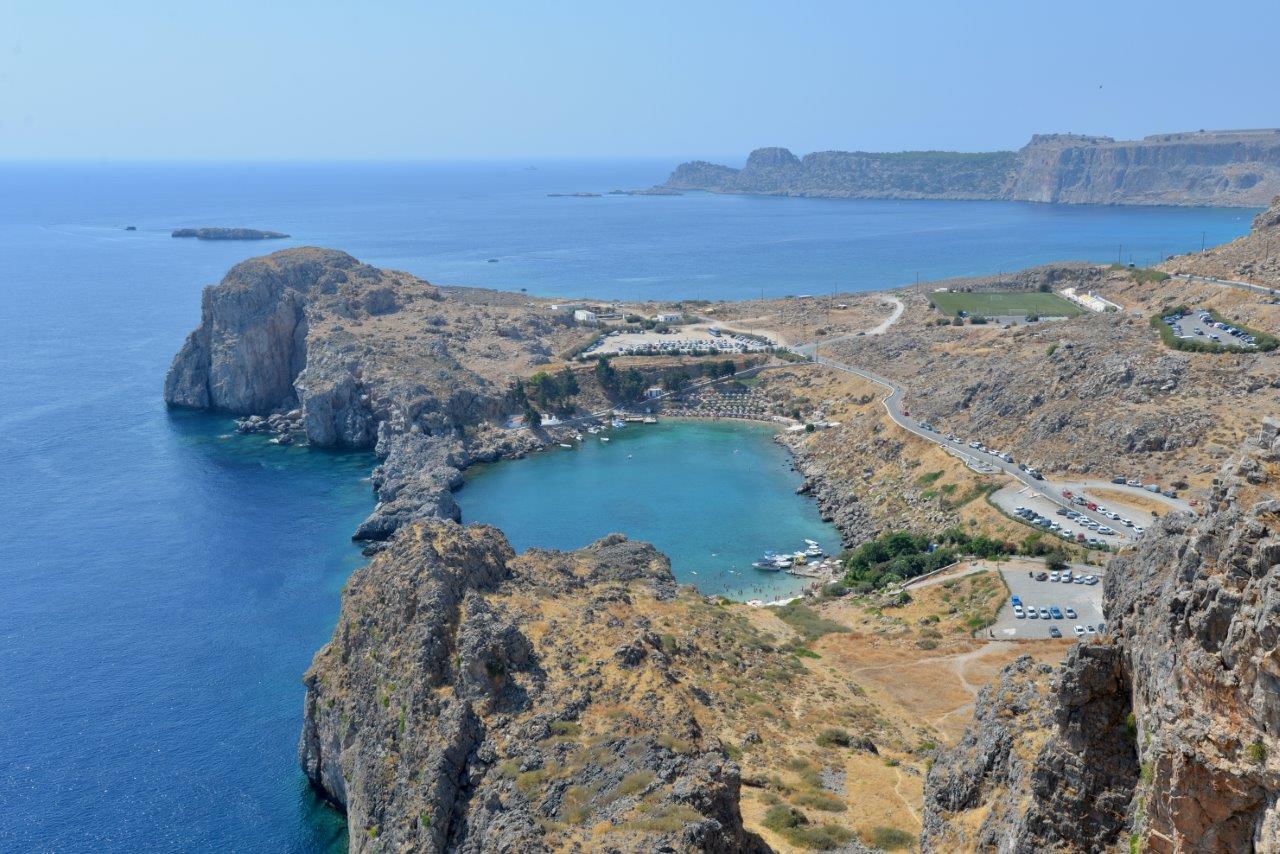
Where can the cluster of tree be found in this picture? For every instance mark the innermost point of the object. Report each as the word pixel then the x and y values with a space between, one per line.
pixel 552 391
pixel 895 557
pixel 619 385
pixel 542 390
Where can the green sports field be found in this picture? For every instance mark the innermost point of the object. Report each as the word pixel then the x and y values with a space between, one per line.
pixel 990 303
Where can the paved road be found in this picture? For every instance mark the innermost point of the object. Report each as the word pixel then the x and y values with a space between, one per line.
pixel 893 405
pixel 1230 283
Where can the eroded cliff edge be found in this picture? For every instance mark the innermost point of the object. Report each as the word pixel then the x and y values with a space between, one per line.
pixel 476 700
pixel 1228 168
pixel 364 358
pixel 1166 731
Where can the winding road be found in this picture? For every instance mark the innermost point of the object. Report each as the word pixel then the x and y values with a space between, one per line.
pixel 979 460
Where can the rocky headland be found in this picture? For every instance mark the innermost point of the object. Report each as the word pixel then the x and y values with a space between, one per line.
pixel 1226 168
pixel 228 234
pixel 476 700
pixel 359 357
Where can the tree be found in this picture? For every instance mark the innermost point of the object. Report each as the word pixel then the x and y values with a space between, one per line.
pixel 606 376
pixel 1056 560
pixel 532 417
pixel 568 383
pixel 675 380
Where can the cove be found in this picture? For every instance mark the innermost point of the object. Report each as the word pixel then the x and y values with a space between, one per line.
pixel 712 496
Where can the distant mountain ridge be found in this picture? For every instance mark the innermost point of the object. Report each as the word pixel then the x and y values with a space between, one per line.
pixel 1238 168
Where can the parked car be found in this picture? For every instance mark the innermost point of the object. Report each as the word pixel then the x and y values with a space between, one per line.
pixel 1079 630
pixel 1057 614
pixel 1044 613
pixel 1018 612
pixel 1033 614
pixel 1071 613
pixel 1090 630
pixel 1054 633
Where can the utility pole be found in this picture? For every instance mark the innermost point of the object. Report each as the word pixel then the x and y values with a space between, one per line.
pixel 1202 241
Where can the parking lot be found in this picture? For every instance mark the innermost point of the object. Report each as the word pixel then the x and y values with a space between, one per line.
pixel 1084 599
pixel 1193 327
pixel 680 339
pixel 1010 498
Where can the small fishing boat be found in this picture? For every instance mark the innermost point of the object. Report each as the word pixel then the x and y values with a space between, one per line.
pixel 814 550
pixel 604 438
pixel 565 445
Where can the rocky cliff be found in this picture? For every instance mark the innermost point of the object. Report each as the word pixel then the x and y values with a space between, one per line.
pixel 368 358
pixel 1165 730
pixel 1229 168
pixel 475 700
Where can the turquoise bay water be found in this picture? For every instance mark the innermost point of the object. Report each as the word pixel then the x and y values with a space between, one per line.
pixel 163 588
pixel 712 496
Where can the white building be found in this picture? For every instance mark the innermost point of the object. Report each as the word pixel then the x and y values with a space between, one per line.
pixel 669 317
pixel 582 315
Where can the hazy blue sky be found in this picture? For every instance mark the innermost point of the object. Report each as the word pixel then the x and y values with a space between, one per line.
pixel 322 79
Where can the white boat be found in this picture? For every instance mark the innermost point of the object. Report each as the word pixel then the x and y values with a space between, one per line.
pixel 593 430
pixel 813 551
pixel 604 438
pixel 565 445
pixel 650 420
pixel 618 422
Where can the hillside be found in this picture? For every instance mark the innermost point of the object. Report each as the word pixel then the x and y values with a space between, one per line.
pixel 1226 168
pixel 1162 733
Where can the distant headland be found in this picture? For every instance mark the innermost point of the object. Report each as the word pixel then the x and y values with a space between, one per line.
pixel 1229 168
pixel 228 234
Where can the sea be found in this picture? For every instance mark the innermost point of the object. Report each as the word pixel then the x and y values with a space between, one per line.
pixel 164 582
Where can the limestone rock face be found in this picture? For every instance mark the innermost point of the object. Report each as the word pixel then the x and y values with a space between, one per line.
pixel 1240 168
pixel 473 700
pixel 291 331
pixel 1166 727
pixel 248 348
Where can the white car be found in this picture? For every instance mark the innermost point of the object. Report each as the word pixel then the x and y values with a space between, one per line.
pixel 1079 630
pixel 1018 612
pixel 1071 613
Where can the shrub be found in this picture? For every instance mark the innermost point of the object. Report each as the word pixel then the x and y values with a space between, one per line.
pixel 833 737
pixel 1257 752
pixel 890 838
pixel 824 801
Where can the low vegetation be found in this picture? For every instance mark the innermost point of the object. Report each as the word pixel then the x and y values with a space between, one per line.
pixel 1142 275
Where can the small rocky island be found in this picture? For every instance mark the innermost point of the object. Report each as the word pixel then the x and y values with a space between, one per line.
pixel 228 234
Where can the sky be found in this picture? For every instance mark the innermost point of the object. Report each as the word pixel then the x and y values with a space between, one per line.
pixel 278 79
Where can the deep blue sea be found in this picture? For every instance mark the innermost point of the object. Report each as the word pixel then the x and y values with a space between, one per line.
pixel 164 584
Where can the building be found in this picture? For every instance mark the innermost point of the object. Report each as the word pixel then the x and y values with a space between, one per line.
pixel 583 315
pixel 669 317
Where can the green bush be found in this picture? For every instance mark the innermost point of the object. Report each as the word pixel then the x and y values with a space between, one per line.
pixel 890 838
pixel 1257 753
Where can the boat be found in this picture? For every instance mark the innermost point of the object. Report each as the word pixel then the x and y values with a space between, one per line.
pixel 783 562
pixel 617 422
pixel 565 445
pixel 649 419
pixel 593 430
pixel 604 438
pixel 813 551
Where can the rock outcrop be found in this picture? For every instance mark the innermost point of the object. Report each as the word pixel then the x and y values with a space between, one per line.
pixel 341 342
pixel 1167 729
pixel 1228 168
pixel 475 700
pixel 228 234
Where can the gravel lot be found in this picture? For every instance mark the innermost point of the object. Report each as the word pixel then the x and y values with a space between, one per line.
pixel 1086 599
